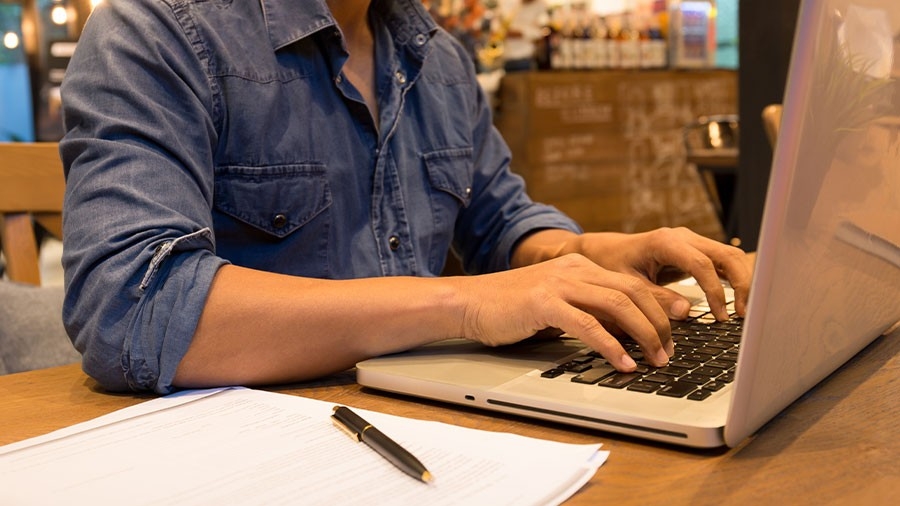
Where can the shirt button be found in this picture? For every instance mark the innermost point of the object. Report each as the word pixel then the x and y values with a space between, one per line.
pixel 468 192
pixel 421 39
pixel 401 77
pixel 279 220
pixel 339 79
pixel 394 243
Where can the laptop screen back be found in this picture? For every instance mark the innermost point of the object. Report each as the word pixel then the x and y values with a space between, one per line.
pixel 828 277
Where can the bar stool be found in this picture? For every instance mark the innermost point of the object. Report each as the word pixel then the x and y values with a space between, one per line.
pixel 711 143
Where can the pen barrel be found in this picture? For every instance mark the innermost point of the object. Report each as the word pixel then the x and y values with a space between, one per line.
pixel 393 452
pixel 362 430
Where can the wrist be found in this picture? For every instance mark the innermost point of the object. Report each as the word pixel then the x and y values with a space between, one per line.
pixel 543 245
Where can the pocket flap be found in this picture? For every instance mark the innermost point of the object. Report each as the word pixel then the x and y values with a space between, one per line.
pixel 276 199
pixel 450 170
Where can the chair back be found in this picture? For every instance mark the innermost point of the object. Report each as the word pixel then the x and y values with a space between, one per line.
pixel 771 117
pixel 31 191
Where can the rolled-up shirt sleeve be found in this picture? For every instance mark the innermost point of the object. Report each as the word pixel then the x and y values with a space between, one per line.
pixel 501 212
pixel 138 248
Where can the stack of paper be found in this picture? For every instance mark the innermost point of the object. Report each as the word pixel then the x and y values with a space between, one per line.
pixel 242 446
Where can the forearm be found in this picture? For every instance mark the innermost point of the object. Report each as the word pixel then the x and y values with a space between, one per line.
pixel 263 328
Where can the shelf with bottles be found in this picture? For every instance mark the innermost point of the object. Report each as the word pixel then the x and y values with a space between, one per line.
pixel 579 38
pixel 592 34
pixel 632 34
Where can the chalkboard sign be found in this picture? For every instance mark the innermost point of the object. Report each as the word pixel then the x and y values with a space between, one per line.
pixel 607 147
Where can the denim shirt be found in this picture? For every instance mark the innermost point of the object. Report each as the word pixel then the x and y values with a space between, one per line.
pixel 206 132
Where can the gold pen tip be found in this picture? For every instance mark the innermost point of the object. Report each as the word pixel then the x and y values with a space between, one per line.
pixel 427 477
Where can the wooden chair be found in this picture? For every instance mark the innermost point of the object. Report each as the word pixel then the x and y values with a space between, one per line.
pixel 31 191
pixel 32 335
pixel 771 117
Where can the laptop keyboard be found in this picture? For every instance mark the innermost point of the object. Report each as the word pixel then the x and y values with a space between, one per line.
pixel 705 355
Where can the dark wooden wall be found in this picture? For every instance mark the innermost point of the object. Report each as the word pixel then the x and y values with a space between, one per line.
pixel 766 38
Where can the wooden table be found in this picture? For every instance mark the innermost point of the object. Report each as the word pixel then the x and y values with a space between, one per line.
pixel 839 444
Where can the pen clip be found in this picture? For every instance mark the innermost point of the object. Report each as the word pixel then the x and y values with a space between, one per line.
pixel 345 429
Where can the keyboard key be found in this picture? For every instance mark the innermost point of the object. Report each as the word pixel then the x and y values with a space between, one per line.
pixel 673 371
pixel 685 364
pixel 696 379
pixel 659 379
pixel 718 364
pixel 729 356
pixel 619 380
pixel 697 357
pixel 576 367
pixel 714 386
pixel 594 374
pixel 709 350
pixel 676 389
pixel 642 369
pixel 710 372
pixel 643 387
pixel 553 373
pixel 699 395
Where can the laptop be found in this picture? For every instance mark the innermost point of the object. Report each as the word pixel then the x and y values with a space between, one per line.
pixel 826 281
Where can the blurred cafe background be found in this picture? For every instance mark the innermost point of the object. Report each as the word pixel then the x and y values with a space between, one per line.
pixel 626 114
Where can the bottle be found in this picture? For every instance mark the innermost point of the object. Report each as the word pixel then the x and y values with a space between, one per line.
pixel 567 43
pixel 547 46
pixel 556 40
pixel 629 44
pixel 614 52
pixel 585 58
pixel 653 46
pixel 600 44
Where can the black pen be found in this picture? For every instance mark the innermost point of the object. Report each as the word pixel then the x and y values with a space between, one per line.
pixel 361 430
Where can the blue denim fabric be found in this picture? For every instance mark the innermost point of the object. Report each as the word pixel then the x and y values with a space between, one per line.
pixel 201 133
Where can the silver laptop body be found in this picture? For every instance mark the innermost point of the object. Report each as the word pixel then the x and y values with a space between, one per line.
pixel 827 278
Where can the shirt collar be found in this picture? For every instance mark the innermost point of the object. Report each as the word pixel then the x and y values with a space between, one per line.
pixel 289 20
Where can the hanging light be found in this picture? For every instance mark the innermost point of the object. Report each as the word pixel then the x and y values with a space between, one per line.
pixel 59 15
pixel 11 40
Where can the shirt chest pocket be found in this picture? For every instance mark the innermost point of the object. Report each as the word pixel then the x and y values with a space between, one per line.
pixel 276 200
pixel 450 173
pixel 450 181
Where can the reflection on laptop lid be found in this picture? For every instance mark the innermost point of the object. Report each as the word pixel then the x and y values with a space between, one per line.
pixel 826 280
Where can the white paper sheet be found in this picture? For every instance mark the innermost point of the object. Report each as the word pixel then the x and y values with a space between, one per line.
pixel 243 446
